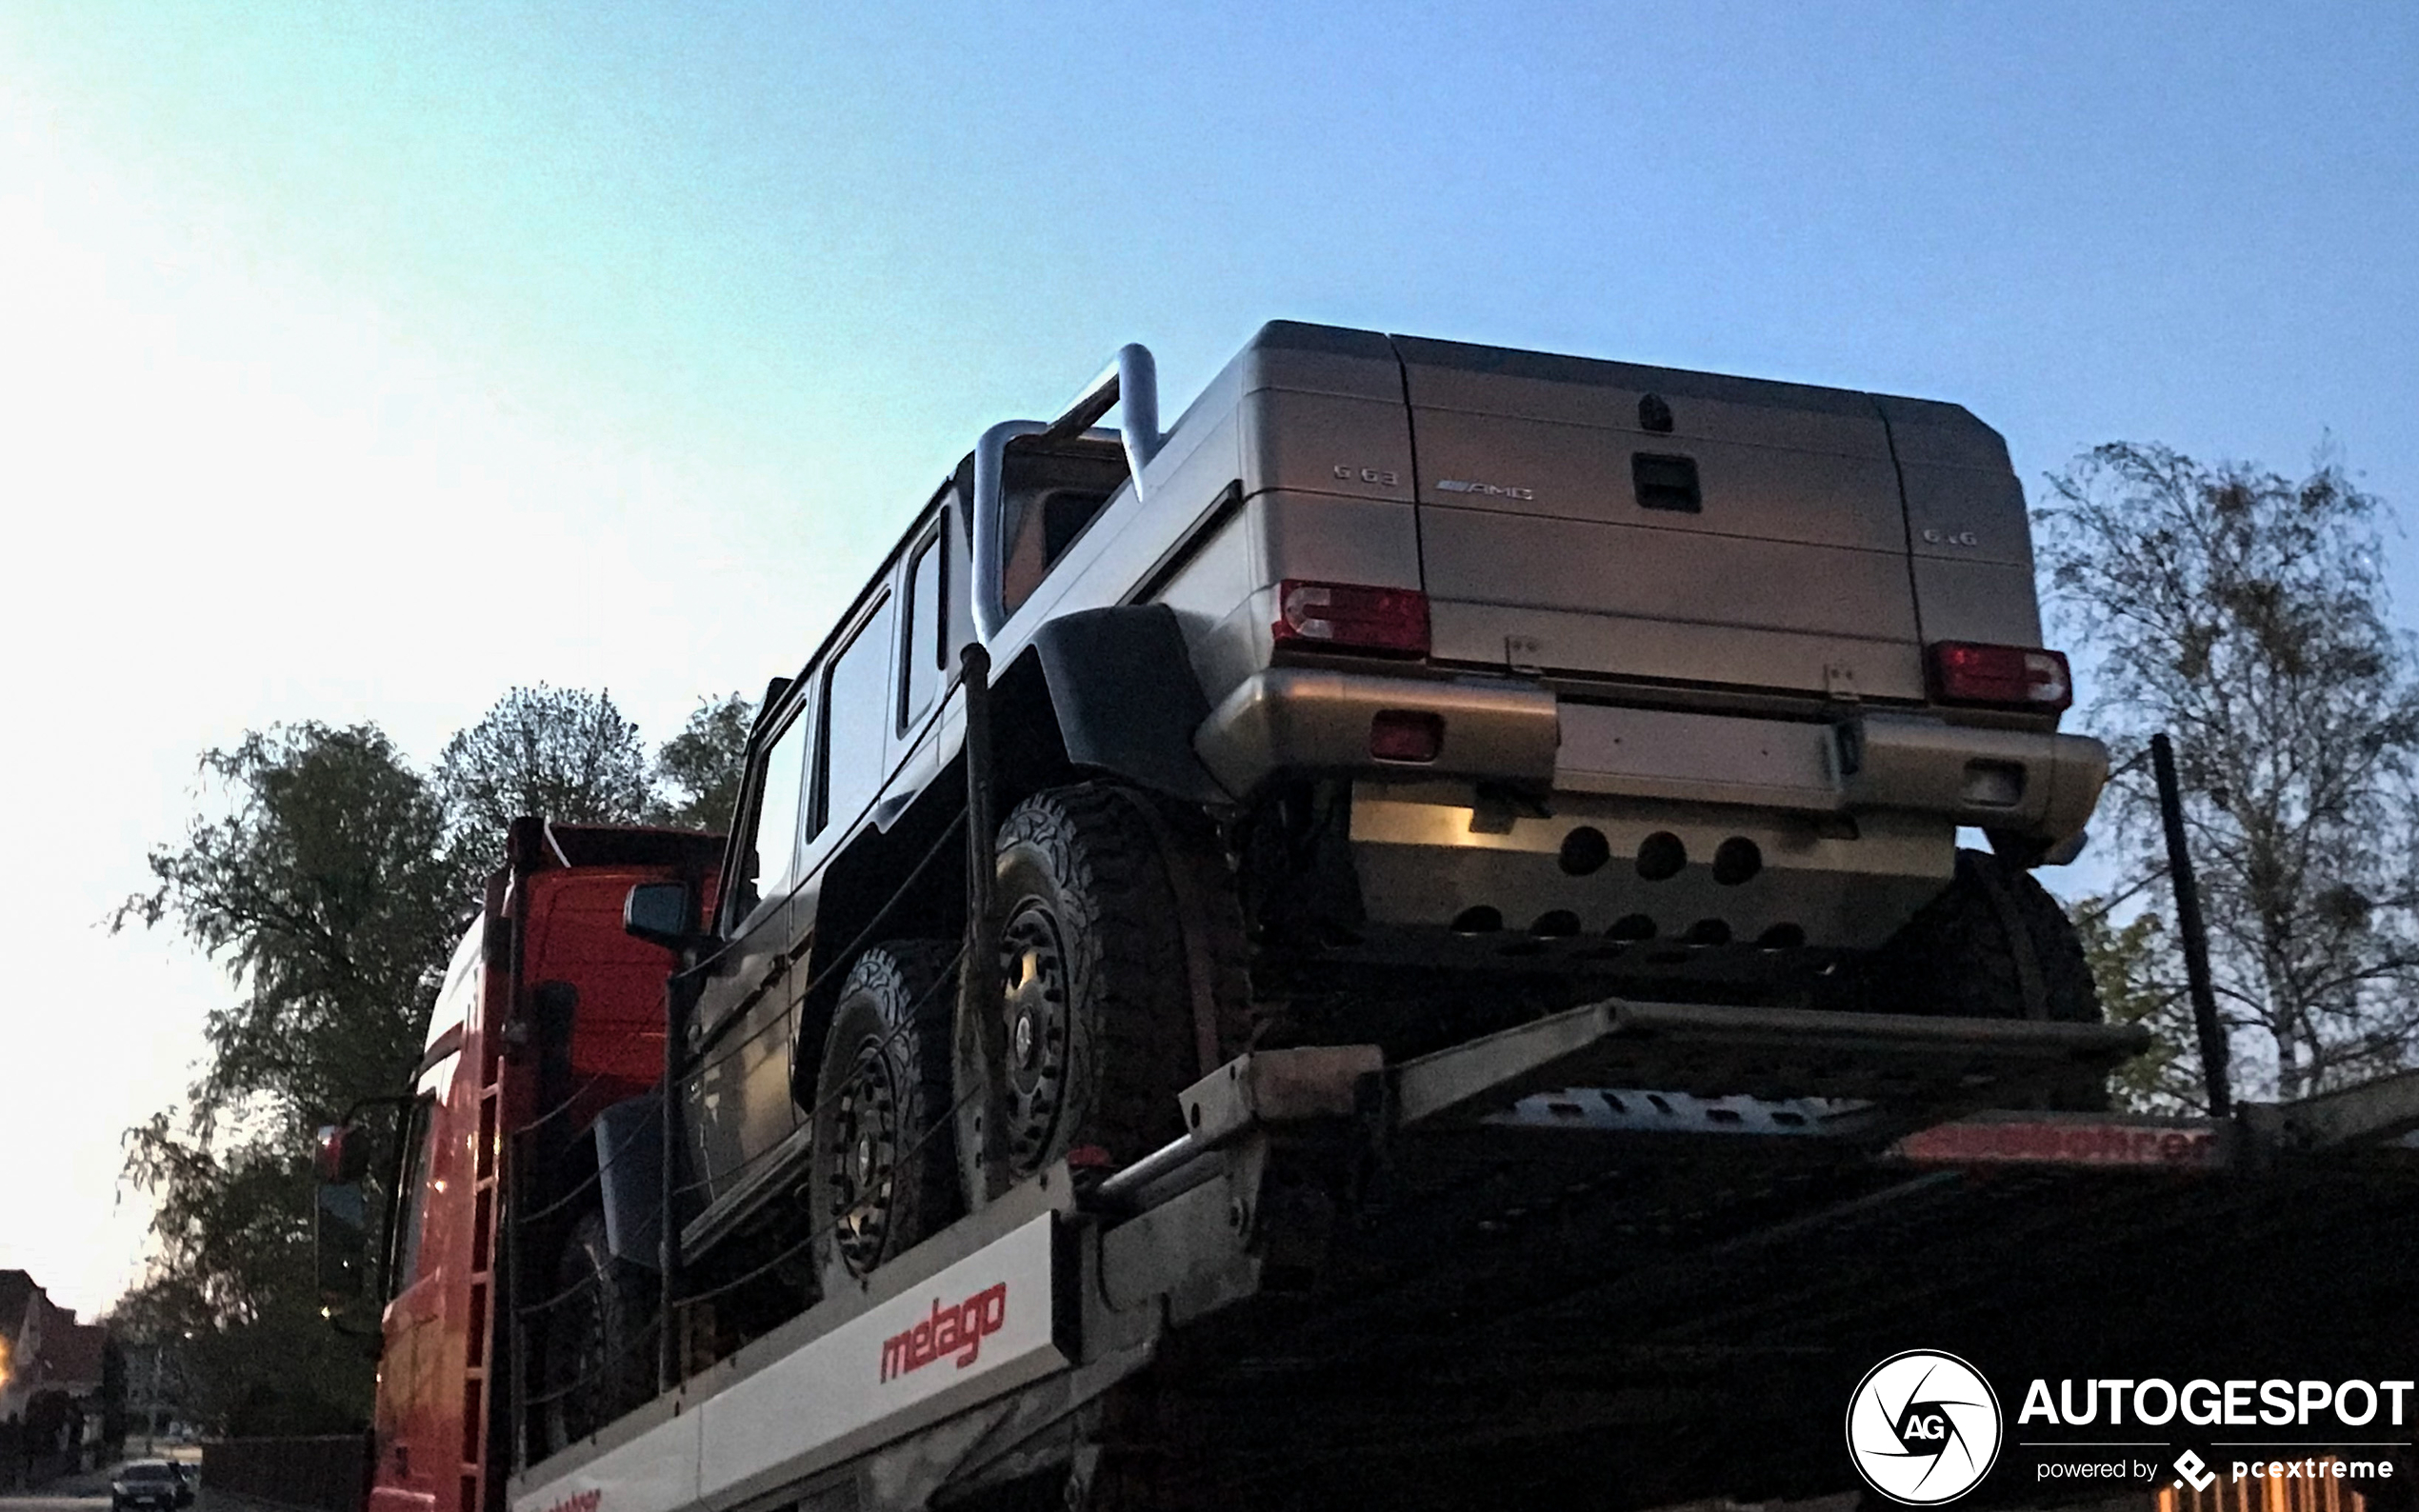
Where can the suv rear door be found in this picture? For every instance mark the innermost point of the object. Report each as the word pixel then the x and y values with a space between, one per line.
pixel 1585 516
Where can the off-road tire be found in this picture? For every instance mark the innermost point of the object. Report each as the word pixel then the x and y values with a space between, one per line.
pixel 1119 935
pixel 883 1172
pixel 597 1360
pixel 1968 953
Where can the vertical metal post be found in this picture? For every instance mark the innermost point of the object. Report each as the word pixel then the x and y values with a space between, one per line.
pixel 2193 931
pixel 668 1352
pixel 978 977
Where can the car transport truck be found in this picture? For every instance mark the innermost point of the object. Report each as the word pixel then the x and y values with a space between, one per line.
pixel 1241 929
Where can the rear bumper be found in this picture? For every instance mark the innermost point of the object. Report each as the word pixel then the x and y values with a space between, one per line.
pixel 1294 719
pixel 2032 784
pixel 1616 822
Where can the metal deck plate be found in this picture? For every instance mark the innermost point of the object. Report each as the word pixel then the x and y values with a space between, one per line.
pixel 1940 1064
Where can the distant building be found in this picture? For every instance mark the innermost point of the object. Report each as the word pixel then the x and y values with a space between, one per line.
pixel 51 1380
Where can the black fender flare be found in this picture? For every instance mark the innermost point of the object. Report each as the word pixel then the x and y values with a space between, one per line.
pixel 1125 701
pixel 629 1178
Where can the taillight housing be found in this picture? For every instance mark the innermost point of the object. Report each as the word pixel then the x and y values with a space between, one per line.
pixel 1348 617
pixel 2001 676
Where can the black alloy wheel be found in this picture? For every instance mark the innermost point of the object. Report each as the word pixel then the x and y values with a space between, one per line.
pixel 884 1174
pixel 1120 940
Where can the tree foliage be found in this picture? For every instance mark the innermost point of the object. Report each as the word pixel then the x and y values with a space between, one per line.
pixel 331 896
pixel 233 1287
pixel 2140 980
pixel 699 768
pixel 2245 613
pixel 332 880
pixel 562 753
pixel 329 892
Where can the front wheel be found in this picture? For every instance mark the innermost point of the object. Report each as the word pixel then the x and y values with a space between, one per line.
pixel 1120 951
pixel 885 1174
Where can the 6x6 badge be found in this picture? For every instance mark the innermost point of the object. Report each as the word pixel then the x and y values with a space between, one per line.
pixel 1923 1427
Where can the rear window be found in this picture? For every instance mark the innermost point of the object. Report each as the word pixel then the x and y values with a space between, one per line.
pixel 149 1472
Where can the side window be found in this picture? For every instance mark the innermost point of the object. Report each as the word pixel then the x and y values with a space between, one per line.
pixel 766 871
pixel 849 766
pixel 924 639
pixel 1038 528
pixel 417 1134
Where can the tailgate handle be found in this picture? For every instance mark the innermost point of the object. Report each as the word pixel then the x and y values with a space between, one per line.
pixel 1665 482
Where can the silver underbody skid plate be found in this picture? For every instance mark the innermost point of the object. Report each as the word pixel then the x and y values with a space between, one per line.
pixel 1943 1066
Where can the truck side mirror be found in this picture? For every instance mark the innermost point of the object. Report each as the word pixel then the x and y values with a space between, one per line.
pixel 344 1154
pixel 660 914
pixel 341 1238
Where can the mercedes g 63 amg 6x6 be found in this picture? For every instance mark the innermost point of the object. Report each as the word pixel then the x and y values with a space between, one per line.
pixel 1398 691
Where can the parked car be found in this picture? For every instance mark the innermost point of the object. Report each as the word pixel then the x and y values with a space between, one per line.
pixel 159 1484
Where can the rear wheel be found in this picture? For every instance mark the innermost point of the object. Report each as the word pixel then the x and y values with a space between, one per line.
pixel 596 1362
pixel 1994 944
pixel 1121 971
pixel 885 1172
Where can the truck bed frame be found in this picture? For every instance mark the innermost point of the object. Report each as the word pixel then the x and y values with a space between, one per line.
pixel 1498 1274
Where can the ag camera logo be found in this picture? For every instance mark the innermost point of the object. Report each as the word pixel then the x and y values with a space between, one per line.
pixel 1923 1427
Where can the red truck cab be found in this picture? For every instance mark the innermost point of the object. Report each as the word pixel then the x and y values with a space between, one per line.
pixel 549 1015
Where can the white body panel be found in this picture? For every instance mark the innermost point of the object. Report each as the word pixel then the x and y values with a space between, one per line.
pixel 864 1383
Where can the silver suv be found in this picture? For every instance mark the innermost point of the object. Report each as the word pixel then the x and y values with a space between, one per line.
pixel 1399 690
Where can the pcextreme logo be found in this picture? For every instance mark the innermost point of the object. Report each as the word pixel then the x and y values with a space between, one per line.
pixel 1923 1427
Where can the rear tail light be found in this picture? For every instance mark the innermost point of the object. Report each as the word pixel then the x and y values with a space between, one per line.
pixel 1346 617
pixel 2002 676
pixel 1405 735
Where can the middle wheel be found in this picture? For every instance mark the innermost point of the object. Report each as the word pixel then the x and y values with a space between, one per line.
pixel 884 1170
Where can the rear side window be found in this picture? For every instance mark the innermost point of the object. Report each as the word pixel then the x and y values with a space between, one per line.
pixel 1039 528
pixel 925 638
pixel 773 841
pixel 855 700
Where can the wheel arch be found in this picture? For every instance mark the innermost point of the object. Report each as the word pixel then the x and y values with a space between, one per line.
pixel 1100 692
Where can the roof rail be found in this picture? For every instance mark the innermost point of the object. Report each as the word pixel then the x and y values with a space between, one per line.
pixel 1130 382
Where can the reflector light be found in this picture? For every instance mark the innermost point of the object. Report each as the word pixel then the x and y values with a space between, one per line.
pixel 1405 735
pixel 1346 617
pixel 2005 676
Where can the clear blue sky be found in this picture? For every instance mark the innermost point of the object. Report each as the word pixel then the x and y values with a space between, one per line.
pixel 311 315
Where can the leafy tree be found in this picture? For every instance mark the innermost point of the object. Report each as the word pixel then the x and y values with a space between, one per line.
pixel 329 893
pixel 331 884
pixel 561 753
pixel 2245 614
pixel 234 1284
pixel 2140 981
pixel 702 765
